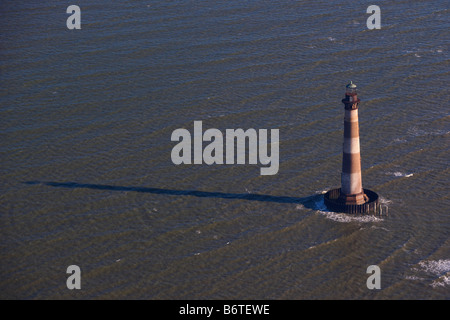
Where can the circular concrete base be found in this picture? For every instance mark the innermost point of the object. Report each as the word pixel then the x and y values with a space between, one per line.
pixel 334 203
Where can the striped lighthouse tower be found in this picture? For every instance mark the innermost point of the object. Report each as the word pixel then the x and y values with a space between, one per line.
pixel 351 182
pixel 351 197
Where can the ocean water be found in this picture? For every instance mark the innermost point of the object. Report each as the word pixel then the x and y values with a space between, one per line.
pixel 87 178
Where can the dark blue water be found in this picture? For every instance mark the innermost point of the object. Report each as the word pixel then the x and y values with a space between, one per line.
pixel 86 120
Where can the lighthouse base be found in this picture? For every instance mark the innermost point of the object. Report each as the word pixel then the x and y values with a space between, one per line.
pixel 351 199
pixel 365 202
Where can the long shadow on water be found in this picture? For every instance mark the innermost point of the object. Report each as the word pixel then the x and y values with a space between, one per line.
pixel 308 202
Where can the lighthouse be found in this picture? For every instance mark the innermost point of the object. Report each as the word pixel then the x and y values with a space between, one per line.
pixel 351 197
pixel 351 181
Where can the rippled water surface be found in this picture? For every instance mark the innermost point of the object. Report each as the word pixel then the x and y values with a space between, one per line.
pixel 87 179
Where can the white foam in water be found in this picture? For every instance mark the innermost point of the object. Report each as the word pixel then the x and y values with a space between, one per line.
pixel 380 228
pixel 417 132
pixel 400 174
pixel 440 268
pixel 346 218
pixel 384 201
pixel 441 282
pixel 437 267
pixel 413 278
pixel 398 140
pixel 343 217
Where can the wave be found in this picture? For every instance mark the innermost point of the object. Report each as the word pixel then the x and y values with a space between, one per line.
pixel 343 217
pixel 346 218
pixel 400 174
pixel 417 132
pixel 436 268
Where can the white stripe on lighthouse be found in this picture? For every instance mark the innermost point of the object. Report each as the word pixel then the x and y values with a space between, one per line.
pixel 351 145
pixel 351 183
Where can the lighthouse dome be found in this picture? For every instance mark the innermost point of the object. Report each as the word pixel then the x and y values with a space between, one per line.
pixel 351 88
